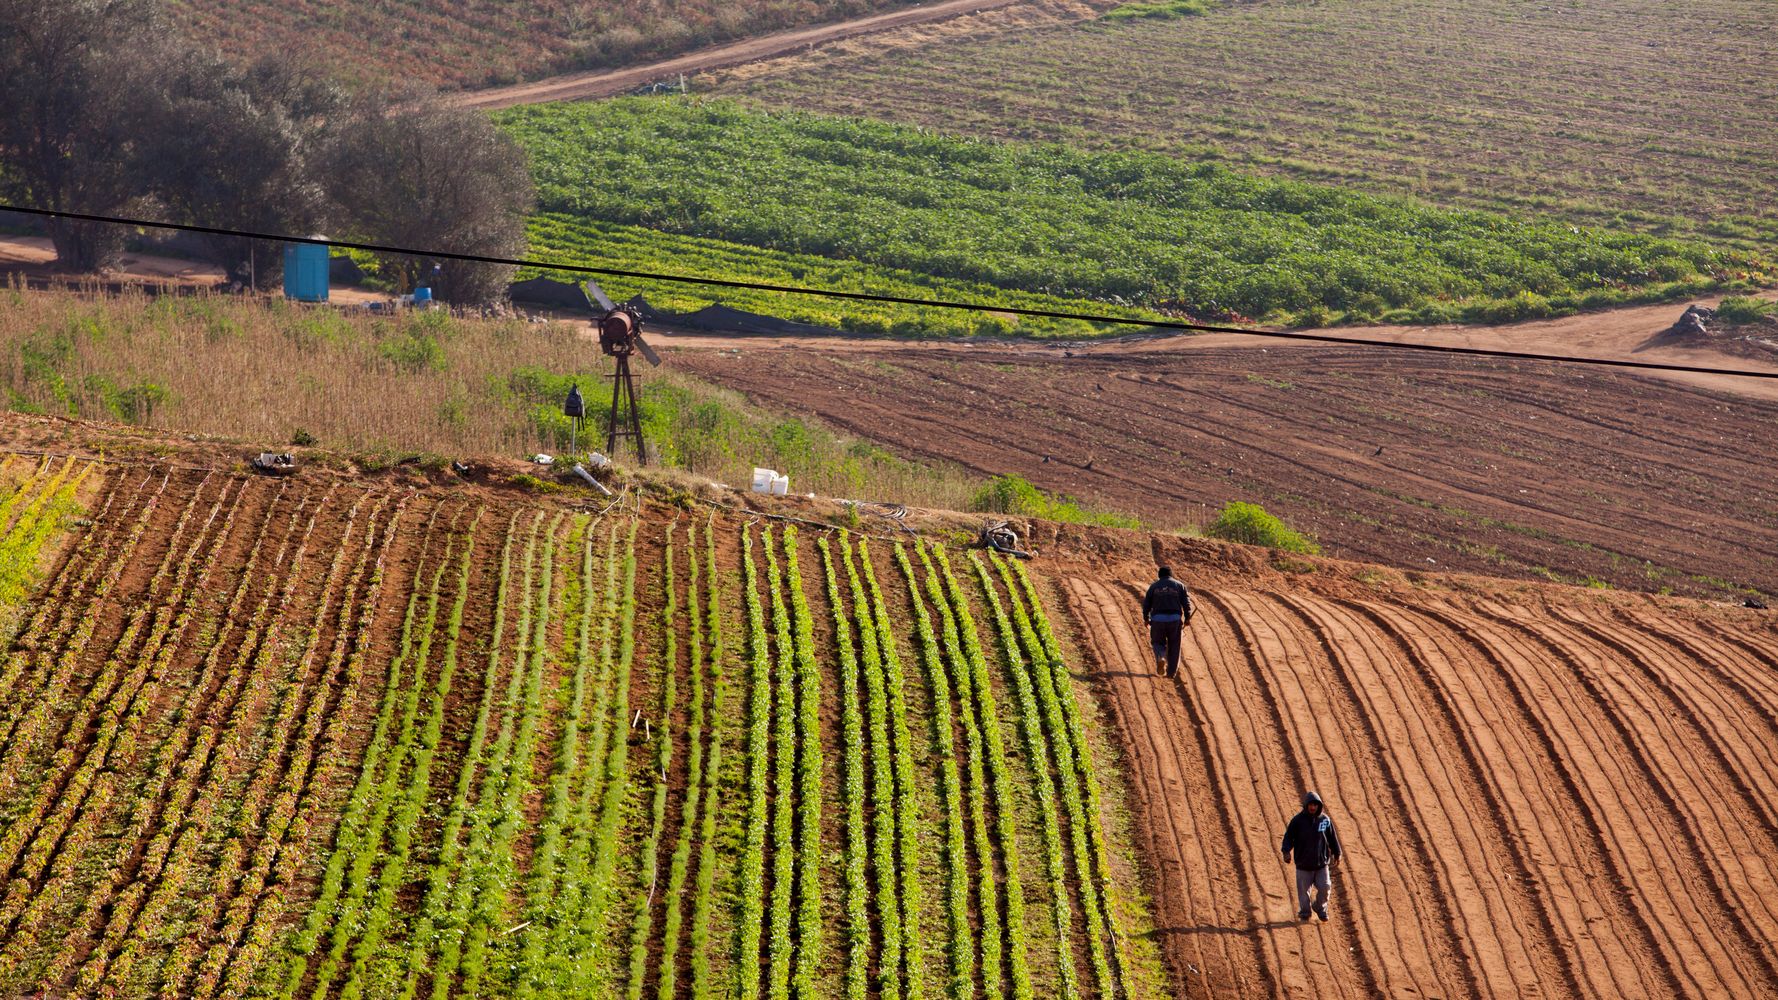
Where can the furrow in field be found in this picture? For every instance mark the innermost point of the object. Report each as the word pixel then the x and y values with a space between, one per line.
pixel 1434 664
pixel 1387 898
pixel 1673 786
pixel 1212 942
pixel 1570 747
pixel 1428 787
pixel 1263 777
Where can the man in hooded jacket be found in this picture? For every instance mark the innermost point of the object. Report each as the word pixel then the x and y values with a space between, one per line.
pixel 1311 837
pixel 1167 609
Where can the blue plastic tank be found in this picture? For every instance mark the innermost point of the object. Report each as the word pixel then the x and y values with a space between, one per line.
pixel 305 272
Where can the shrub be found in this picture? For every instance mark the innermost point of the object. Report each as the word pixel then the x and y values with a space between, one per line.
pixel 1249 524
pixel 1742 309
pixel 1015 495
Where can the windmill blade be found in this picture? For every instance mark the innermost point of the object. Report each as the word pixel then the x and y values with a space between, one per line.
pixel 598 295
pixel 647 351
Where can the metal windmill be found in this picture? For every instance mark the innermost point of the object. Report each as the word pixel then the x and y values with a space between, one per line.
pixel 620 335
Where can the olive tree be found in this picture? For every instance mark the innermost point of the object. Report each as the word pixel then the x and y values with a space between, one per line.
pixel 421 174
pixel 74 74
pixel 232 146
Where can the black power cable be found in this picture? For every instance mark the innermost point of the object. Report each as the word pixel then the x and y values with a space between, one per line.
pixel 686 279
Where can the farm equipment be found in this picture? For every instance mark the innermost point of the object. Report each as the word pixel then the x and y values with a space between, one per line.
pixel 998 536
pixel 620 335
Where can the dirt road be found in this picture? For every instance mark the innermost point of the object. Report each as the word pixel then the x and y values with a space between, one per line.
pixel 1542 792
pixel 606 83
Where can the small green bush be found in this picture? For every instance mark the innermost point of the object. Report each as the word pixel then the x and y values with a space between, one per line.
pixel 1015 495
pixel 1162 8
pixel 1249 524
pixel 1742 309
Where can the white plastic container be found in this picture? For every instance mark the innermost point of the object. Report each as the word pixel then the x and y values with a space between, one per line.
pixel 780 485
pixel 763 479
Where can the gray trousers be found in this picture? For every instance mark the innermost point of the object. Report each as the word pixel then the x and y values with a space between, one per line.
pixel 1323 889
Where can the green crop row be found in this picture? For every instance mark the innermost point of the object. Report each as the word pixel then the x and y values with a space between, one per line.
pixel 170 860
pixel 648 879
pixel 887 801
pixel 434 921
pixel 372 972
pixel 1129 229
pixel 565 236
pixel 857 909
pixel 1047 650
pixel 809 927
pixel 702 986
pixel 250 922
pixel 696 791
pixel 977 696
pixel 989 897
pixel 48 839
pixel 1039 755
pixel 750 923
pixel 344 890
pixel 53 616
pixel 52 504
pixel 783 784
pixel 962 955
pixel 908 795
pixel 548 961
pixel 517 769
pixel 614 788
pixel 554 840
pixel 190 739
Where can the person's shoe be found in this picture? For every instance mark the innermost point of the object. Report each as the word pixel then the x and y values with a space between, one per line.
pixel 1322 913
pixel 1303 915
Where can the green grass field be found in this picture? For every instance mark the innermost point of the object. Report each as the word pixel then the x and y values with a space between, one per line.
pixel 1129 229
pixel 1626 113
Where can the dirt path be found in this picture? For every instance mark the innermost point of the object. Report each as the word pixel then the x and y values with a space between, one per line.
pixel 1542 792
pixel 606 83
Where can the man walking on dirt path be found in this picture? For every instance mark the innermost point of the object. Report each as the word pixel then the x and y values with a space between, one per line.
pixel 1167 609
pixel 1311 837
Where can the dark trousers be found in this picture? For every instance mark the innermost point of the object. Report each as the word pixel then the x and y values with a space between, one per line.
pixel 1164 637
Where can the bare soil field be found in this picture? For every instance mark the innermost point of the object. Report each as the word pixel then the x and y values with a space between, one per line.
pixel 1628 112
pixel 1527 470
pixel 1540 791
pixel 476 43
pixel 611 82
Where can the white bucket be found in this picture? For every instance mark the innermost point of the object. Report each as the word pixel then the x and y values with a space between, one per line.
pixel 780 485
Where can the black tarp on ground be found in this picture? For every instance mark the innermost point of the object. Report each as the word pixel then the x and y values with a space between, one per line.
pixel 550 292
pixel 723 319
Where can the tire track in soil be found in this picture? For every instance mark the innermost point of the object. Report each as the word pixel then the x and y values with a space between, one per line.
pixel 1190 843
pixel 1482 922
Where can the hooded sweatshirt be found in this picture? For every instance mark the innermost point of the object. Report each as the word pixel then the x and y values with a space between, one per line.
pixel 1311 840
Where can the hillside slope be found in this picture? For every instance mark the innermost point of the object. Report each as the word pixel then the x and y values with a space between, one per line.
pixel 1540 791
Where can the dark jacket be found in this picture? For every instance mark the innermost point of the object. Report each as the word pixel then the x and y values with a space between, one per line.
pixel 1312 840
pixel 1167 597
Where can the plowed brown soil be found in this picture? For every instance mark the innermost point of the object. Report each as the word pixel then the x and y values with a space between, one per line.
pixel 1520 469
pixel 1542 791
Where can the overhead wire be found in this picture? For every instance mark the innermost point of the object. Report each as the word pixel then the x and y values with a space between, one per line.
pixel 830 293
